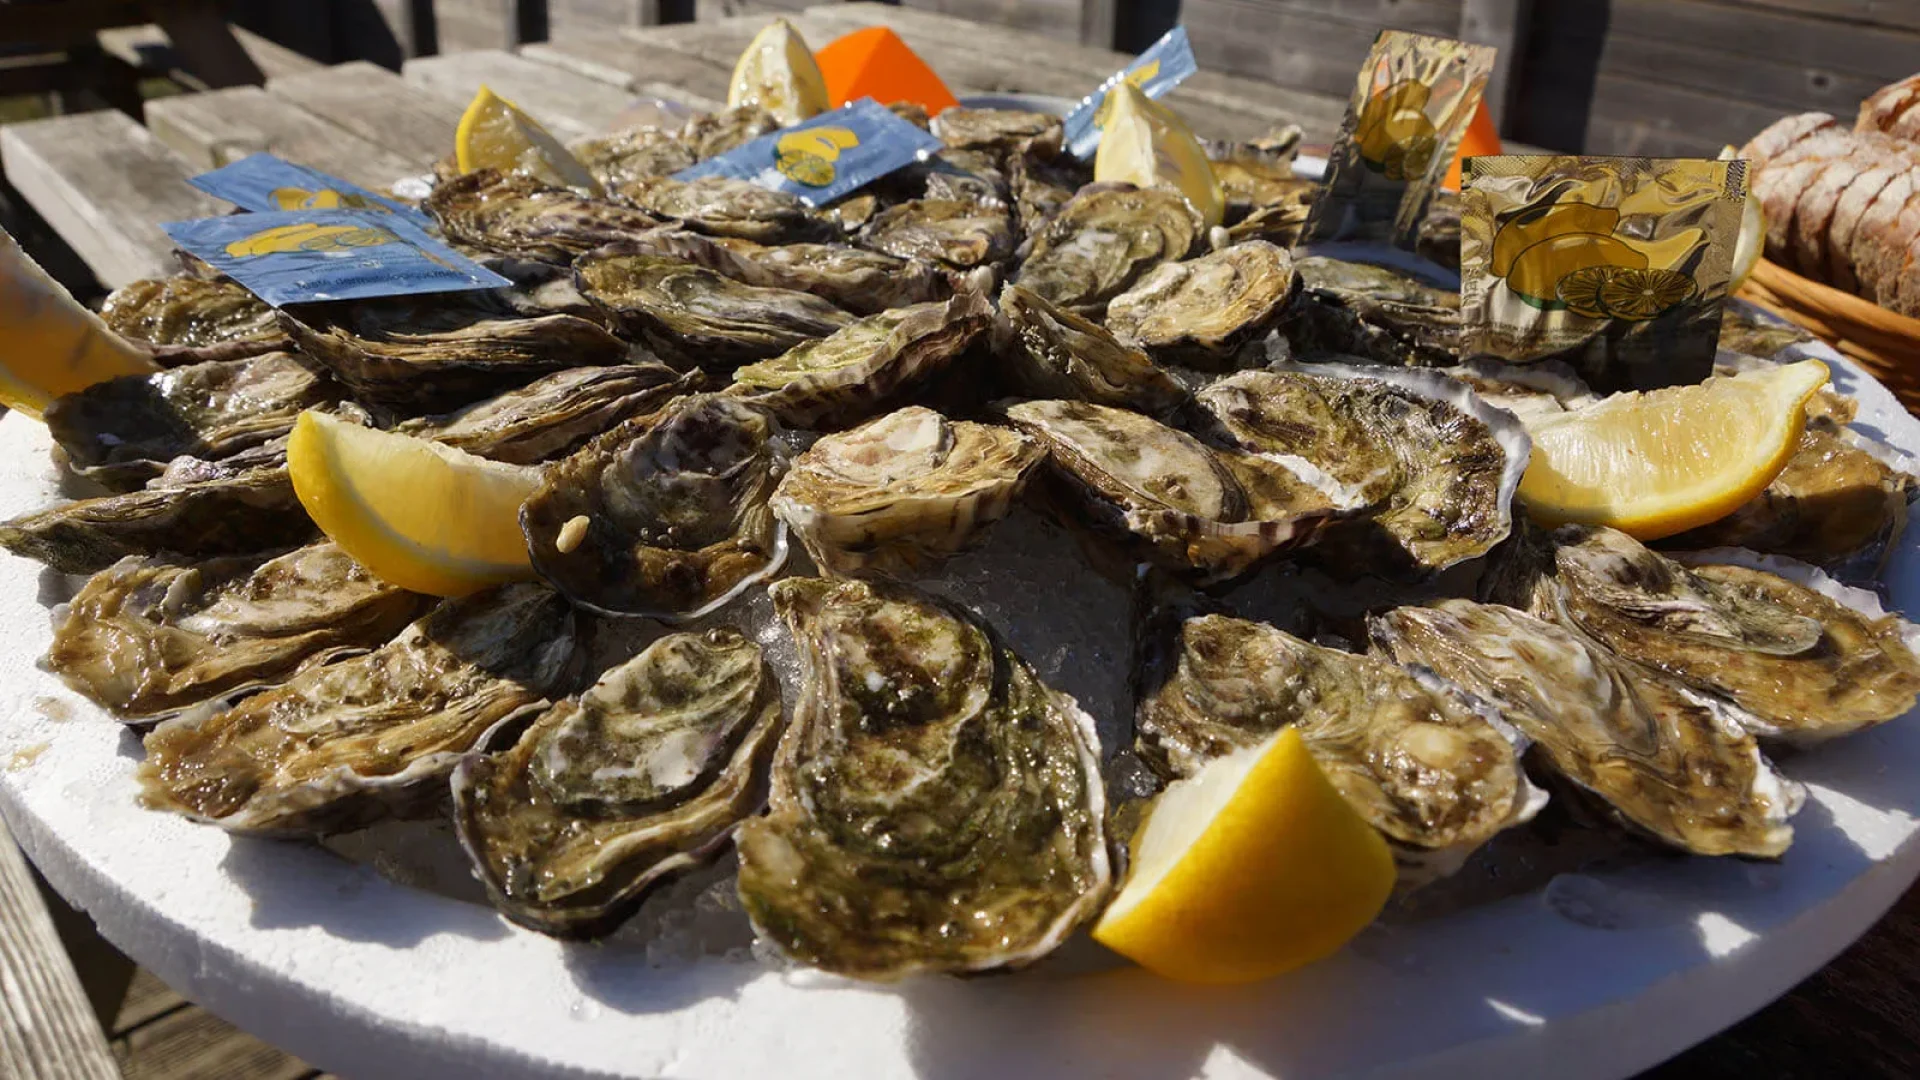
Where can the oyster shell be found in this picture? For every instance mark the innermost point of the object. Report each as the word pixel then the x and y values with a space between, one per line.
pixel 187 319
pixel 861 368
pixel 1374 312
pixel 1054 353
pixel 1437 773
pixel 1105 239
pixel 637 153
pixel 1674 765
pixel 1201 311
pixel 1441 465
pixel 122 432
pixel 1749 330
pixel 516 215
pixel 691 315
pixel 863 282
pixel 902 492
pixel 675 509
pixel 1528 391
pixel 966 175
pixel 1040 188
pixel 606 794
pixel 1808 661
pixel 1163 493
pixel 715 133
pixel 196 517
pixel 556 415
pixel 149 636
pixel 954 232
pixel 725 206
pixel 340 746
pixel 1001 130
pixel 935 806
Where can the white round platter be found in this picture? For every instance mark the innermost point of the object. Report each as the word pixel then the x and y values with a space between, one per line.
pixel 1594 976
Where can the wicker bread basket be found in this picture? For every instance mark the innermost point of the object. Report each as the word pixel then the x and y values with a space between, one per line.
pixel 1885 343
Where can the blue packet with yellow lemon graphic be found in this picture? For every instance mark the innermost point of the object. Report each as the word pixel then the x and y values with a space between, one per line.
pixel 824 158
pixel 297 256
pixel 263 182
pixel 1164 65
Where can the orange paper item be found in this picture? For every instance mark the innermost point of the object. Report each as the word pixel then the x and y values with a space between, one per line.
pixel 875 63
pixel 1481 140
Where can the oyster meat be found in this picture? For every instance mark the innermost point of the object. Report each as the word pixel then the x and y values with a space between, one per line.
pixel 690 315
pixel 1103 240
pixel 556 415
pixel 1201 311
pixel 1672 764
pixel 1374 312
pixel 861 368
pixel 902 492
pixel 517 215
pixel 187 319
pixel 637 153
pixel 340 746
pixel 935 807
pixel 1440 465
pixel 149 636
pixel 725 206
pixel 1436 772
pixel 1009 131
pixel 953 232
pixel 1807 662
pixel 664 516
pixel 1528 391
pixel 1054 353
pixel 861 281
pixel 608 793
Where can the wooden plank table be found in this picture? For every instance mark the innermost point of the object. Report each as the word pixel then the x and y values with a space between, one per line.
pixel 103 182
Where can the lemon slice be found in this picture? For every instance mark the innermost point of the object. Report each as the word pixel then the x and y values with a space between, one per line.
pixel 1657 463
pixel 53 345
pixel 495 134
pixel 1753 232
pixel 777 72
pixel 1252 867
pixel 420 515
pixel 1145 143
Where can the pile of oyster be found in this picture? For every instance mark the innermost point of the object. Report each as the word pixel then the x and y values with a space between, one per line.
pixel 712 376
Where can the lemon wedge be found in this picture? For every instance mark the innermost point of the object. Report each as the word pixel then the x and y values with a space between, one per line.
pixel 1145 143
pixel 418 514
pixel 1657 463
pixel 1252 867
pixel 777 72
pixel 495 134
pixel 1753 231
pixel 54 345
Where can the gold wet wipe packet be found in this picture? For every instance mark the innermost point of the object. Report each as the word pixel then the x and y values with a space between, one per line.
pixel 1617 266
pixel 1411 104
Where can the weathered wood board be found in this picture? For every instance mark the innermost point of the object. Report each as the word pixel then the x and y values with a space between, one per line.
pixel 633 64
pixel 47 1028
pixel 379 106
pixel 104 183
pixel 569 104
pixel 1060 19
pixel 147 49
pixel 215 128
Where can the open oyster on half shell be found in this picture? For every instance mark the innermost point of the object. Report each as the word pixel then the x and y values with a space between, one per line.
pixel 1671 764
pixel 664 516
pixel 572 820
pixel 1051 352
pixel 1103 240
pixel 1381 314
pixel 555 416
pixel 1201 311
pixel 1436 772
pixel 342 745
pixel 935 806
pixel 725 206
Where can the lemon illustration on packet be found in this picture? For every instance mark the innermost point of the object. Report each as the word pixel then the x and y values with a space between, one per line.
pixel 827 157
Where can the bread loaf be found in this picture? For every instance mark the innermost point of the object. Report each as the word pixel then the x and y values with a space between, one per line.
pixel 1893 110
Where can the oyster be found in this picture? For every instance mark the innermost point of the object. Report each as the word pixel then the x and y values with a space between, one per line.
pixel 1441 465
pixel 399 363
pixel 935 806
pixel 516 215
pixel 556 415
pixel 1808 661
pixel 1201 311
pixel 1041 188
pixel 1528 391
pixel 1438 240
pixel 198 517
pixel 342 745
pixel 643 775
pixel 1054 353
pixel 637 153
pixel 1001 130
pixel 1374 312
pixel 1251 184
pixel 187 319
pixel 715 133
pixel 1278 224
pixel 691 315
pixel 902 492
pixel 149 636
pixel 1672 764
pixel 122 432
pixel 1436 772
pixel 1105 239
pixel 859 369
pixel 863 282
pixel 725 206
pixel 1749 330
pixel 1162 492
pixel 965 175
pixel 952 232
pixel 664 516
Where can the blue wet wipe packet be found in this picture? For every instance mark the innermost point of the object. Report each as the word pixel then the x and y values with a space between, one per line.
pixel 296 256
pixel 826 157
pixel 1164 65
pixel 263 182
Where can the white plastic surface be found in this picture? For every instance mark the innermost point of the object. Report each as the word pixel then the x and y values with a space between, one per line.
pixel 1594 976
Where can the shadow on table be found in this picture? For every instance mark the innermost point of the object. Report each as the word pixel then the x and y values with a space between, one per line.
pixel 294 884
pixel 619 976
